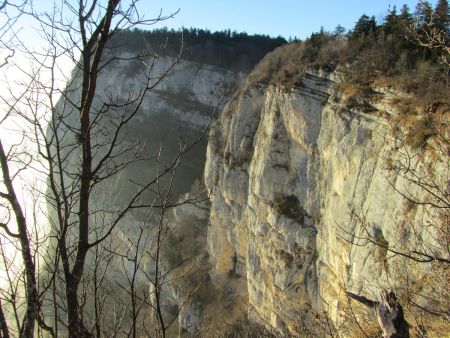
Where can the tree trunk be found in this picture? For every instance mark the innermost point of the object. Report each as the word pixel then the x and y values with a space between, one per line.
pixel 390 317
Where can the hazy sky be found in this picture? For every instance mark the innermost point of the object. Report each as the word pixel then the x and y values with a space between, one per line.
pixel 273 17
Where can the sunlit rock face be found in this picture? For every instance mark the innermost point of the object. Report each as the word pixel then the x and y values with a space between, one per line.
pixel 286 172
pixel 285 169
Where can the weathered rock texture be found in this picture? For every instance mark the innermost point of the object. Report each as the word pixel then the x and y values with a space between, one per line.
pixel 292 175
pixel 177 111
pixel 180 106
pixel 287 171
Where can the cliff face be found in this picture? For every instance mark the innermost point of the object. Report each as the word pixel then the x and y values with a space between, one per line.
pixel 295 179
pixel 180 106
pixel 178 110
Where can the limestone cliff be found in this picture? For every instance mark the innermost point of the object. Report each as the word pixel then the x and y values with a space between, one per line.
pixel 296 177
pixel 180 106
pixel 300 179
pixel 177 110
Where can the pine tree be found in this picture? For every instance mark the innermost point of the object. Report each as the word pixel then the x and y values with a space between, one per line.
pixel 391 22
pixel 423 13
pixel 363 26
pixel 405 16
pixel 405 22
pixel 442 17
pixel 372 25
pixel 339 30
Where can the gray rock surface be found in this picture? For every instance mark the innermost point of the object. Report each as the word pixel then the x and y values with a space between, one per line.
pixel 287 172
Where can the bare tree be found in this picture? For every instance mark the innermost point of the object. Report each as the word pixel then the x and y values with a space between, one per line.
pixel 79 136
pixel 12 207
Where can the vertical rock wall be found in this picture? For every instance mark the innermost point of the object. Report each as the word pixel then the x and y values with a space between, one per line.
pixel 285 170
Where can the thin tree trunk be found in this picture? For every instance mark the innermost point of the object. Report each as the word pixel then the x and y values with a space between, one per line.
pixel 3 325
pixel 90 74
pixel 31 312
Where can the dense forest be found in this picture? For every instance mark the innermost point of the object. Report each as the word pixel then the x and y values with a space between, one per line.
pixel 227 49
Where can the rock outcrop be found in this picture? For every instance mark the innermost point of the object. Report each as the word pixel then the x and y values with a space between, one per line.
pixel 177 111
pixel 296 178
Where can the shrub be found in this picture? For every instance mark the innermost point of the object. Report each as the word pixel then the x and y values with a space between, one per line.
pixel 289 206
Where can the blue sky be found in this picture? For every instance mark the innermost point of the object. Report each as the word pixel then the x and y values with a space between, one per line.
pixel 288 18
pixel 281 17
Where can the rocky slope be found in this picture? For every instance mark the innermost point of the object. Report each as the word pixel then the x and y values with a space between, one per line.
pixel 296 178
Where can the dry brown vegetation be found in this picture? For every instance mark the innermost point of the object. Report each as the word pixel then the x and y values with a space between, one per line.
pixel 381 57
pixel 287 64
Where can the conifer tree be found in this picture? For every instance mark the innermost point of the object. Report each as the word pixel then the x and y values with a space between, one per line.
pixel 423 13
pixel 361 25
pixel 441 16
pixel 405 16
pixel 339 30
pixel 372 24
pixel 405 23
pixel 391 22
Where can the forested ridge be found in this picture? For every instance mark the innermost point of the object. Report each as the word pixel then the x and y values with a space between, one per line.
pixel 227 49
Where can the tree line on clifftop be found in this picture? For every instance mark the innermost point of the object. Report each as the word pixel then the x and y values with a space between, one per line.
pixel 227 49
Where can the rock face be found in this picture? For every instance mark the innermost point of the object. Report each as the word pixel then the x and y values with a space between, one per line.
pixel 178 110
pixel 296 178
pixel 180 106
pixel 291 174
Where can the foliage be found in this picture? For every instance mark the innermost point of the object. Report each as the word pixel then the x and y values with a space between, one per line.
pixel 370 55
pixel 290 207
pixel 248 329
pixel 227 49
pixel 364 27
pixel 442 19
pixel 287 64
